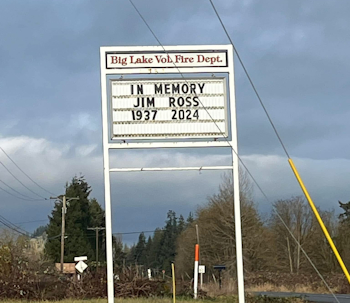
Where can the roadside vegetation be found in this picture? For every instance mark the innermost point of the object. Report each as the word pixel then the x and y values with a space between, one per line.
pixel 229 299
pixel 272 259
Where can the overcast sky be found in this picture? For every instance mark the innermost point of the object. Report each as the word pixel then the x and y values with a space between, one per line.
pixel 50 121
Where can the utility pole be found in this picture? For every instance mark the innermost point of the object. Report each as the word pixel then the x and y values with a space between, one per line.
pixel 63 226
pixel 96 229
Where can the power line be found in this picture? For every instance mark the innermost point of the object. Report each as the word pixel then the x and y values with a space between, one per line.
pixel 250 80
pixel 12 226
pixel 278 136
pixel 312 205
pixel 22 182
pixel 123 233
pixel 35 221
pixel 304 252
pixel 7 155
pixel 115 234
pixel 6 191
pixel 139 232
pixel 54 237
pixel 16 191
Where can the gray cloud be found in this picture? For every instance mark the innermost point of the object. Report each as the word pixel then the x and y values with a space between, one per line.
pixel 141 200
pixel 296 53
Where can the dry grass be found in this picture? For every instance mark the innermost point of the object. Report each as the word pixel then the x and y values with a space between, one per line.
pixel 283 288
pixel 119 300
pixel 228 289
pixel 229 299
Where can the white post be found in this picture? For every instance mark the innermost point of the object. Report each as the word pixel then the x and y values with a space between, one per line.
pixel 195 283
pixel 64 209
pixel 108 207
pixel 239 250
pixel 236 197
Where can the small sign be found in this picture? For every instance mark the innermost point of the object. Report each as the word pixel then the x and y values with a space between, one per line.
pixel 201 269
pixel 81 266
pixel 82 258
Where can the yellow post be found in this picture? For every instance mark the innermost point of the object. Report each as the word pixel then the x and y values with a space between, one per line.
pixel 319 219
pixel 173 274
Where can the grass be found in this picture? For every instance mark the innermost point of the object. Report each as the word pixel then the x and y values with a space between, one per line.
pixel 297 288
pixel 224 299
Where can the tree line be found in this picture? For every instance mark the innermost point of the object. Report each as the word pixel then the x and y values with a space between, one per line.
pixel 267 244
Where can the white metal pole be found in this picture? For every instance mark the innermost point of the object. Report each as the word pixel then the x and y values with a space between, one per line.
pixel 238 228
pixel 236 195
pixel 199 258
pixel 108 207
pixel 63 230
pixel 195 282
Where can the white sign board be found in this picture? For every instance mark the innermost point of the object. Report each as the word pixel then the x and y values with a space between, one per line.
pixel 169 108
pixel 81 266
pixel 201 269
pixel 82 258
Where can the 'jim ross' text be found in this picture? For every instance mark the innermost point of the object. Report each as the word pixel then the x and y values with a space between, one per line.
pixel 192 101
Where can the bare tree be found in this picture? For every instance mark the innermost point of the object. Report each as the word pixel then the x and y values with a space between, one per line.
pixel 217 232
pixel 298 216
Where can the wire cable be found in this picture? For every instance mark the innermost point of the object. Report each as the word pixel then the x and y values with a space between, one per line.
pixel 250 81
pixel 274 128
pixel 25 173
pixel 12 224
pixel 19 193
pixel 27 222
pixel 304 252
pixel 6 191
pixel 22 182
pixel 13 227
pixel 139 232
pixel 89 235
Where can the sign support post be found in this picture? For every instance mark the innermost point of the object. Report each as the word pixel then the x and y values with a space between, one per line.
pixel 236 199
pixel 108 204
pixel 169 106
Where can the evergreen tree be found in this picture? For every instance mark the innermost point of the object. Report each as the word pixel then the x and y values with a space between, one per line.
pixel 80 215
pixel 130 256
pixel 343 237
pixel 39 231
pixel 190 219
pixel 181 225
pixel 168 243
pixel 155 250
pixel 119 252
pixel 346 208
pixel 140 250
pixel 97 215
pixel 148 251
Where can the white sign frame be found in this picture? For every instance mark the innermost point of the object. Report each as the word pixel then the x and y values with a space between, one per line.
pixel 152 68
